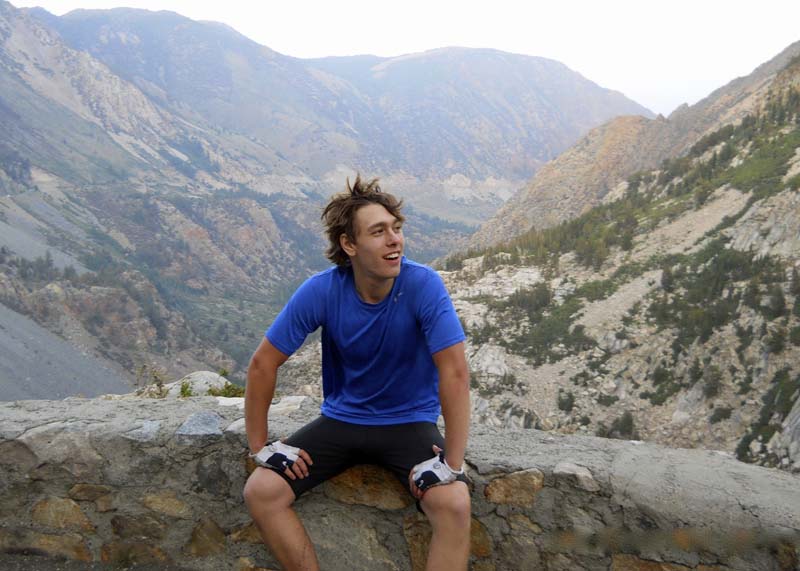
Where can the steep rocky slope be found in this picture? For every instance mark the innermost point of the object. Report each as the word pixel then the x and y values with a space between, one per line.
pixel 579 178
pixel 669 313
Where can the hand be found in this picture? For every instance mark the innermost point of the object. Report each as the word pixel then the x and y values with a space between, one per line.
pixel 432 472
pixel 289 460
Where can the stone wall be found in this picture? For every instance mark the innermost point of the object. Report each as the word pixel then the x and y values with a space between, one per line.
pixel 159 481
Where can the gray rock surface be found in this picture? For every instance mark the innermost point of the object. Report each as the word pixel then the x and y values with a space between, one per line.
pixel 35 363
pixel 159 482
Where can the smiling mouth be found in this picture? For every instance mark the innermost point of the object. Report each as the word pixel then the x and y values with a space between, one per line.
pixel 392 256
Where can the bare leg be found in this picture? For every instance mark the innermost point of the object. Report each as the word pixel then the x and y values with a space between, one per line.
pixel 269 499
pixel 448 509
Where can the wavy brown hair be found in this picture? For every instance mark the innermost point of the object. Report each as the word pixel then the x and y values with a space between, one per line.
pixel 340 214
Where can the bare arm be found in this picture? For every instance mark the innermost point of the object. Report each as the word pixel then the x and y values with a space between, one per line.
pixel 454 396
pixel 262 375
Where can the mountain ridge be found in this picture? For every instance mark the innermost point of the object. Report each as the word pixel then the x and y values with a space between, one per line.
pixel 569 184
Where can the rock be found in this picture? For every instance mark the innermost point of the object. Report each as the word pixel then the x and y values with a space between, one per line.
pixel 519 522
pixel 480 543
pixel 247 533
pixel 247 564
pixel 202 426
pixel 147 432
pixel 519 488
pixel 349 538
pixel 417 532
pixel 369 485
pixel 581 475
pixel 207 539
pixel 489 360
pixel 142 526
pixel 622 562
pixel 104 503
pixel 236 427
pixel 69 546
pixel 287 404
pixel 127 553
pixel 64 444
pixel 167 504
pixel 61 513
pixel 88 492
pixel 197 384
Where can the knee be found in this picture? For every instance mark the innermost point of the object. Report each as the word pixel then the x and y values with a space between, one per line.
pixel 449 505
pixel 265 489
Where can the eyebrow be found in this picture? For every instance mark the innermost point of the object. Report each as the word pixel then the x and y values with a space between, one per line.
pixel 382 225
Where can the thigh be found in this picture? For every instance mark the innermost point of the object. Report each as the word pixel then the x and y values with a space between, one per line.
pixel 332 446
pixel 403 446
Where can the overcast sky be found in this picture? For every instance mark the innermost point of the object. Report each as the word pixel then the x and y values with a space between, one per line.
pixel 659 53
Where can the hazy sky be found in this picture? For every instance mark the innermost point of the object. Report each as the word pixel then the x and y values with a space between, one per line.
pixel 659 53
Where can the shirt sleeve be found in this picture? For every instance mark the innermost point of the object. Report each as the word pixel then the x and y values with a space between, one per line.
pixel 301 316
pixel 438 317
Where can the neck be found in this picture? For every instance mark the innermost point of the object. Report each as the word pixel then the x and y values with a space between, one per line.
pixel 371 290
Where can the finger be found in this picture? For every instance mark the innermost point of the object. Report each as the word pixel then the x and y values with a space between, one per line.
pixel 290 474
pixel 297 469
pixel 304 455
pixel 415 491
pixel 300 465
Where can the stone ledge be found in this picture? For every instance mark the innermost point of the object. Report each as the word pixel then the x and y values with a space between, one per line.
pixel 160 481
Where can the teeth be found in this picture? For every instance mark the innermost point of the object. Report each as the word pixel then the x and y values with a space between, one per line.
pixel 392 256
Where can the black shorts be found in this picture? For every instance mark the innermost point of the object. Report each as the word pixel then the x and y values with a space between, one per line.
pixel 335 446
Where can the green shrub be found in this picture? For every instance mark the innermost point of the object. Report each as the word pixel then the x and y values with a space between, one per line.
pixel 229 390
pixel 623 428
pixel 777 303
pixel 720 414
pixel 713 382
pixel 776 342
pixel 607 400
pixel 794 335
pixel 777 402
pixel 566 401
pixel 186 389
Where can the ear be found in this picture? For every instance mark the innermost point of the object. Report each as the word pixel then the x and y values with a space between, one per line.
pixel 348 246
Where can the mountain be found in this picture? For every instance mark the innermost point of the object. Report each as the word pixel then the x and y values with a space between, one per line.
pixel 668 312
pixel 161 179
pixel 580 177
pixel 455 130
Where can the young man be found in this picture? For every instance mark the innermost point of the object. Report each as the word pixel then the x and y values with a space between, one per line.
pixel 392 359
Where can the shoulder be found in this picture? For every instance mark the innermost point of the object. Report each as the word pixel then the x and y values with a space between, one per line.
pixel 416 273
pixel 318 287
pixel 324 279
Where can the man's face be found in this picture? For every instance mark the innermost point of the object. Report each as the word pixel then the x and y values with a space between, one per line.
pixel 378 246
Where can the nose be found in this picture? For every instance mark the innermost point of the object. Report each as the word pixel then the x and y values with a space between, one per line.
pixel 394 236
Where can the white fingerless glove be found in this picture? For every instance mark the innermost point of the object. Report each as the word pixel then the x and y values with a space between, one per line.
pixel 434 472
pixel 276 456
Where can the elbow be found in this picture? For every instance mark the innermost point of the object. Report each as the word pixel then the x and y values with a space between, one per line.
pixel 458 379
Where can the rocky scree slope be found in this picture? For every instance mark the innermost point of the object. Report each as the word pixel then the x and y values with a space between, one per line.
pixel 671 313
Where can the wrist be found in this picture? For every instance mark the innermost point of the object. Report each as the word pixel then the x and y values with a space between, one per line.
pixel 453 470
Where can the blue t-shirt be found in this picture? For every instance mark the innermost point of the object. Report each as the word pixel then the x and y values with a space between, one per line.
pixel 376 358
